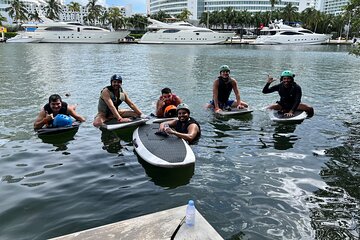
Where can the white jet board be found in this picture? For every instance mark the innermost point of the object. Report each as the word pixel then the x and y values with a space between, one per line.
pixel 234 112
pixel 277 116
pixel 167 151
pixel 113 124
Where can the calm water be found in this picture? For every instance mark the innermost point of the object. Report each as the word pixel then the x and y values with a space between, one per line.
pixel 253 179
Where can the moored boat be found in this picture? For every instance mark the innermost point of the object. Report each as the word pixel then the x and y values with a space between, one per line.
pixel 71 32
pixel 280 33
pixel 182 33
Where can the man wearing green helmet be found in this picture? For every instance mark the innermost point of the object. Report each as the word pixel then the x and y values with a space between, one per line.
pixel 290 95
pixel 222 88
pixel 184 127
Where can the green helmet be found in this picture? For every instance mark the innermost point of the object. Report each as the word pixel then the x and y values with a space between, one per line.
pixel 287 73
pixel 224 68
pixel 183 106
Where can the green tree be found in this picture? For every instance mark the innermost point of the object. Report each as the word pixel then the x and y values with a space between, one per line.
pixel 94 11
pixel 116 19
pixel 2 19
pixel 289 13
pixel 352 11
pixel 138 21
pixel 34 16
pixel 75 8
pixel 17 11
pixel 184 15
pixel 53 9
pixel 160 16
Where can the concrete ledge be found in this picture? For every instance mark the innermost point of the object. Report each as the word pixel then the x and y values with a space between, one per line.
pixel 167 224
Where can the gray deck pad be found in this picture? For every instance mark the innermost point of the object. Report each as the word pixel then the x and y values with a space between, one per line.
pixel 167 151
pixel 169 148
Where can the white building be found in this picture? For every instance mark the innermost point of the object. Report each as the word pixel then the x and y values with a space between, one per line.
pixel 197 7
pixel 38 6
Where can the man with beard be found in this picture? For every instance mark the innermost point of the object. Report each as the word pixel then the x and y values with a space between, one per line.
pixel 290 95
pixel 54 107
pixel 222 88
pixel 185 127
pixel 167 103
pixel 110 99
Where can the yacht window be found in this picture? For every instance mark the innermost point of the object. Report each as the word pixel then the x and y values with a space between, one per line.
pixel 75 24
pixel 203 31
pixel 57 29
pixel 197 33
pixel 171 31
pixel 290 33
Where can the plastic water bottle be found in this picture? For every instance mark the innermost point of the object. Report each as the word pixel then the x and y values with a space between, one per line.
pixel 190 213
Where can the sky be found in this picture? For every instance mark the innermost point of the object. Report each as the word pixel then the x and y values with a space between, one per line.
pixel 138 6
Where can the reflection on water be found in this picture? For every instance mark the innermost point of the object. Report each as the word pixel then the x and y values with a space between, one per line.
pixel 168 177
pixel 59 140
pixel 283 137
pixel 112 139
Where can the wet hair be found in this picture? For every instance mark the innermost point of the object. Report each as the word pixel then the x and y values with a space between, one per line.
pixel 165 91
pixel 54 98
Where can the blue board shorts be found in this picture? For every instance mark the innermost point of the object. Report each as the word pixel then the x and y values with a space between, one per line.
pixel 229 103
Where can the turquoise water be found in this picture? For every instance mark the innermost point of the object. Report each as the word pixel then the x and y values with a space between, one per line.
pixel 253 179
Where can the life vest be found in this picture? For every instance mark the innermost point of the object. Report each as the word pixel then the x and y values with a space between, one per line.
pixel 224 90
pixel 63 110
pixel 183 127
pixel 117 100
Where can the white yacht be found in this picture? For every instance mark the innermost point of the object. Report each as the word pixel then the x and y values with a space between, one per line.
pixel 182 33
pixel 71 32
pixel 23 38
pixel 279 33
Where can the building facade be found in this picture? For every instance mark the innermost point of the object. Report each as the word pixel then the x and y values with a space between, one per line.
pixel 38 6
pixel 197 7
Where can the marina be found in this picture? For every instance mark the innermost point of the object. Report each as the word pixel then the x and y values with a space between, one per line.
pixel 253 178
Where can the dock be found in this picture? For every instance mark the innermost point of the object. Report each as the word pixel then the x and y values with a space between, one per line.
pixel 167 224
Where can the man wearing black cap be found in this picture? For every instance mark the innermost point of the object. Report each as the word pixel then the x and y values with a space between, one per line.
pixel 110 99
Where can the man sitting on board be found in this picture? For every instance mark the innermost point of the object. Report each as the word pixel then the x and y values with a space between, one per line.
pixel 54 107
pixel 222 88
pixel 167 104
pixel 185 127
pixel 110 99
pixel 290 95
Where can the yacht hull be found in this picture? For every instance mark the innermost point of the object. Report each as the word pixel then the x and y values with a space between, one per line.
pixel 74 37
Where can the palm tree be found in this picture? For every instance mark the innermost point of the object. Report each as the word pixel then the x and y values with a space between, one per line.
pixel 53 9
pixel 34 16
pixel 184 15
pixel 94 11
pixel 160 16
pixel 230 17
pixel 116 19
pixel 2 19
pixel 138 21
pixel 289 12
pixel 75 8
pixel 17 11
pixel 272 3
